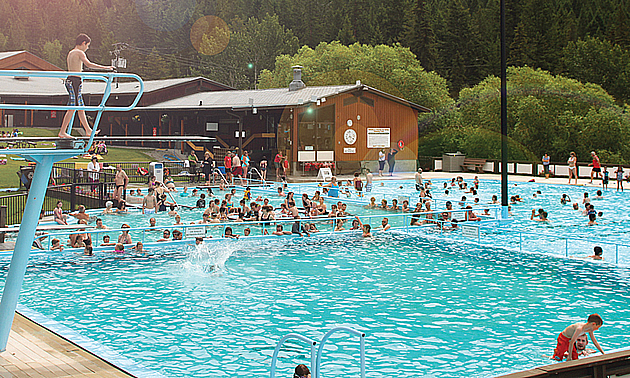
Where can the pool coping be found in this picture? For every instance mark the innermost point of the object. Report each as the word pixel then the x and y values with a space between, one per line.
pixel 95 348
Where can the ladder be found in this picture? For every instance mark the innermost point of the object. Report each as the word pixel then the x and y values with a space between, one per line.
pixel 317 359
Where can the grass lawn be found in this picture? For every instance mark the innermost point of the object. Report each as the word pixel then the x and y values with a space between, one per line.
pixel 9 178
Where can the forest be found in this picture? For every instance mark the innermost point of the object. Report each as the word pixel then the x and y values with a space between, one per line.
pixel 569 76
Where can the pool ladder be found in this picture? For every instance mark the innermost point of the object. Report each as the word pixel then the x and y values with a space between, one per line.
pixel 317 358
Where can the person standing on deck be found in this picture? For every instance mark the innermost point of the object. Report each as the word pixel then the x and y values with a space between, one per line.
pixel 76 59
pixel 381 162
pixel 597 168
pixel 278 164
pixel 545 162
pixel 391 160
pixel 120 180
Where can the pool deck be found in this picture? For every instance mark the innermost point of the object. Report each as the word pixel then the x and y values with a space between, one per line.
pixel 33 351
pixel 467 176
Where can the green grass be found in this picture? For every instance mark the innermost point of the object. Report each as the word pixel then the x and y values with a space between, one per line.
pixel 9 178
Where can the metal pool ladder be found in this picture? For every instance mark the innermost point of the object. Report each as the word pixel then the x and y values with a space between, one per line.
pixel 316 359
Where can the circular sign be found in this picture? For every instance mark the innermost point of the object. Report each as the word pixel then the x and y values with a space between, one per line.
pixel 350 136
pixel 401 144
pixel 349 123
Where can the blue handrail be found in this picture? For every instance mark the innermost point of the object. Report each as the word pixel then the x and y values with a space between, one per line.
pixel 276 351
pixel 105 77
pixel 361 335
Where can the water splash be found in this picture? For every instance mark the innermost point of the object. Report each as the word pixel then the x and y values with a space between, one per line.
pixel 209 258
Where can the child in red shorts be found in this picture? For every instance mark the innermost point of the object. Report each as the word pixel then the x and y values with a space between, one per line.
pixel 566 339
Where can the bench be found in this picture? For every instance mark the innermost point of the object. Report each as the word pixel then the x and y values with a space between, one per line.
pixel 474 165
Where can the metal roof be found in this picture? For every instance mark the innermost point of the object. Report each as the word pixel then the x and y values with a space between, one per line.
pixel 7 54
pixel 265 98
pixel 41 86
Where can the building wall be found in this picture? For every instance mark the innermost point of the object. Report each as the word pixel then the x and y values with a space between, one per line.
pixel 400 119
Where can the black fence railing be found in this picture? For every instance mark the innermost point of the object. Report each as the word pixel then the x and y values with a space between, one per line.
pixel 91 195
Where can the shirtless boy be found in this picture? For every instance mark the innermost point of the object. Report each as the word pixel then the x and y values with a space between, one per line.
pixel 76 59
pixel 149 203
pixel 566 339
pixel 121 180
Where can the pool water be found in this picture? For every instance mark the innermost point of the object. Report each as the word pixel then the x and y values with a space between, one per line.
pixel 429 307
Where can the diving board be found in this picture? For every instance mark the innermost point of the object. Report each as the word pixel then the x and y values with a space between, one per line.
pixel 45 158
pixel 50 227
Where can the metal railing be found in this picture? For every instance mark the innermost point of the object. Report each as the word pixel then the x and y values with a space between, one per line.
pixel 316 359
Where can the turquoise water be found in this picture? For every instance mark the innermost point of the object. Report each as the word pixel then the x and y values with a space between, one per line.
pixel 429 307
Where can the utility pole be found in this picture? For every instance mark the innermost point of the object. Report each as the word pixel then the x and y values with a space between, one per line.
pixel 118 62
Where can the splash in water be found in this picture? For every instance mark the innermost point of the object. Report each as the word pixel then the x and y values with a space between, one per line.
pixel 209 258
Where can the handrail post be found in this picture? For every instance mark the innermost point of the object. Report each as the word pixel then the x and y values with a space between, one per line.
pixel 566 247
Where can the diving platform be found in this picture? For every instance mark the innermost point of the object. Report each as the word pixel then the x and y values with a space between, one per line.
pixel 45 158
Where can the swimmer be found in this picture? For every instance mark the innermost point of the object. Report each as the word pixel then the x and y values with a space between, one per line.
pixel 172 211
pixel 597 253
pixel 177 235
pixel 166 236
pixel 372 203
pixel 247 231
pixel 138 247
pixel 586 199
pixel 178 220
pixel 592 219
pixel 198 241
pixel 184 193
pixel 81 214
pixel 56 245
pixel 228 233
pixel 599 195
pixel 385 224
pixel 109 208
pixel 384 204
pixel 119 248
pixel 568 336
pixel 280 231
pixel 100 225
pixel 106 241
pixel 565 199
pixel 542 216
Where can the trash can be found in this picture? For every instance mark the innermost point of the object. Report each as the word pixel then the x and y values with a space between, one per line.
pixel 26 176
pixel 452 162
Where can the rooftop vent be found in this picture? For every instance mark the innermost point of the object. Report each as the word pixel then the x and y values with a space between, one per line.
pixel 297 82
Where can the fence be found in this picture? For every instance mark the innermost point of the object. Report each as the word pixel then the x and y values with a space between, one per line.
pixel 91 195
pixel 517 167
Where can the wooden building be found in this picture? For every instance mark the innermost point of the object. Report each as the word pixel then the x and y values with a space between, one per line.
pixel 346 124
pixel 24 60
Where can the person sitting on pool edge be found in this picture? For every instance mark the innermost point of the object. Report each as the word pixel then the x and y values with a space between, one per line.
pixel 566 339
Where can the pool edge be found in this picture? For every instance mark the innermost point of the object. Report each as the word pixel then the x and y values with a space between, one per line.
pixel 90 346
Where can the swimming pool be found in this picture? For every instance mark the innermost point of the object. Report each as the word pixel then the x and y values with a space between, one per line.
pixel 429 307
pixel 614 225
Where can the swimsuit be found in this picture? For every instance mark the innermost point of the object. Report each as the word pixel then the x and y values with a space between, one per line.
pixel 333 191
pixel 368 187
pixel 563 346
pixel 74 84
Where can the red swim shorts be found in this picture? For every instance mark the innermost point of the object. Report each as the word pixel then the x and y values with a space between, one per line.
pixel 562 347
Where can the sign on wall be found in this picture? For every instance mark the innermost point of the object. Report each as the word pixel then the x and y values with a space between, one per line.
pixel 378 138
pixel 349 150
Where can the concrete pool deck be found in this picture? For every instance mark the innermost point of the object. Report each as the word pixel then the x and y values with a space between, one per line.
pixel 34 351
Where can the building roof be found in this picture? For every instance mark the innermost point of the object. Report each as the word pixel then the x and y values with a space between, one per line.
pixel 7 54
pixel 24 60
pixel 266 98
pixel 41 86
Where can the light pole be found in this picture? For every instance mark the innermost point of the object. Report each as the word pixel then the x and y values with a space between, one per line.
pixel 504 144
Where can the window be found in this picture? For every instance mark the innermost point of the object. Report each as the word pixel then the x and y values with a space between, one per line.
pixel 316 129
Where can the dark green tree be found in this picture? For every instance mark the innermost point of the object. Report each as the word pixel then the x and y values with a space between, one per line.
pixel 419 35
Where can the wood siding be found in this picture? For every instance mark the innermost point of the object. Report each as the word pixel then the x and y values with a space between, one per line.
pixel 402 121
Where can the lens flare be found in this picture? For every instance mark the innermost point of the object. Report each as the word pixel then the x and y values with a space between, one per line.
pixel 165 15
pixel 210 35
